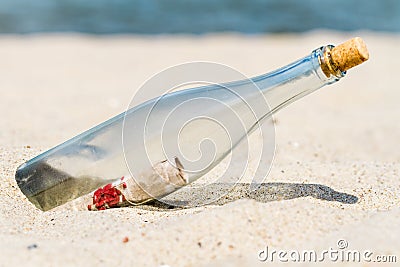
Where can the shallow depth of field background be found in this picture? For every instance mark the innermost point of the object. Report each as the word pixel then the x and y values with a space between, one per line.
pixel 197 16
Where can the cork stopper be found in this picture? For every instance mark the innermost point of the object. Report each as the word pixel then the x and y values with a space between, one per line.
pixel 349 54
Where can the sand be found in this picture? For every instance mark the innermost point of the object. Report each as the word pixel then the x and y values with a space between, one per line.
pixel 335 174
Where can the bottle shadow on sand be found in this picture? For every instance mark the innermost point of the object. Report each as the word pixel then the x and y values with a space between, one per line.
pixel 265 192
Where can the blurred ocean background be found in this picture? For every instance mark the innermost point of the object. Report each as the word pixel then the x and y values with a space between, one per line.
pixel 196 16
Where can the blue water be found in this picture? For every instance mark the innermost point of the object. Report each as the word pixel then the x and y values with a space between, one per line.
pixel 197 16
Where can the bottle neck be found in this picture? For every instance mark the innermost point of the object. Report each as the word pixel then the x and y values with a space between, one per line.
pixel 302 77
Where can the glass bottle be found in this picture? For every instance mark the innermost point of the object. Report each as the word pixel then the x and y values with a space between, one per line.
pixel 149 165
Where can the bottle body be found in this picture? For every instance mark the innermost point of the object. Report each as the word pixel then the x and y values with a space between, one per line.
pixel 167 142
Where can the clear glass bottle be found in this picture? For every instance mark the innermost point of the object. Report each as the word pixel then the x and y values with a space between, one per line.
pixel 149 152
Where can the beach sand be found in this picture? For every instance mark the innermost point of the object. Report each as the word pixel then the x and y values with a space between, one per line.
pixel 335 174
